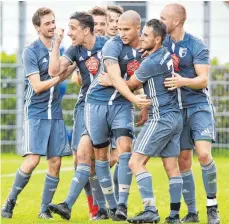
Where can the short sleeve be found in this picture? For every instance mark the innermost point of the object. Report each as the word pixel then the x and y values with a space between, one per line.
pixel 200 53
pixel 146 70
pixel 112 49
pixel 30 62
pixel 70 54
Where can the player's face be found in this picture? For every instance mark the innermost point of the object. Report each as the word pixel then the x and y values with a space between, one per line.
pixel 147 39
pixel 76 32
pixel 112 23
pixel 48 26
pixel 167 18
pixel 100 25
pixel 128 31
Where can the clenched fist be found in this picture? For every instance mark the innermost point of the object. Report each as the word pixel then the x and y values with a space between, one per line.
pixel 59 34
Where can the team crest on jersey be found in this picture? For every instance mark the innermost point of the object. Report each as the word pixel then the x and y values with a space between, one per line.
pixel 182 52
pixel 92 65
pixel 132 67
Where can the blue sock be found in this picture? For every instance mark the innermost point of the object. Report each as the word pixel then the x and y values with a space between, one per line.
pixel 175 190
pixel 144 181
pixel 103 173
pixel 189 191
pixel 49 191
pixel 97 192
pixel 115 179
pixel 81 177
pixel 20 181
pixel 210 180
pixel 87 188
pixel 124 177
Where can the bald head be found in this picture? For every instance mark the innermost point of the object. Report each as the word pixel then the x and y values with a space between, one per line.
pixel 177 10
pixel 132 16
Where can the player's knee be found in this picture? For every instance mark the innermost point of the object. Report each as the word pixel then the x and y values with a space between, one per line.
pixel 31 163
pixel 185 162
pixel 133 164
pixel 83 157
pixel 204 158
pixel 55 163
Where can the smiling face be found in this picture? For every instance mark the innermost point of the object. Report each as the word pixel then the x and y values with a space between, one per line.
pixel 76 32
pixel 112 23
pixel 148 39
pixel 47 26
pixel 100 24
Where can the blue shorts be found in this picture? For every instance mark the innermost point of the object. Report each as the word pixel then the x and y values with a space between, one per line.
pixel 160 137
pixel 46 138
pixel 102 120
pixel 199 124
pixel 79 128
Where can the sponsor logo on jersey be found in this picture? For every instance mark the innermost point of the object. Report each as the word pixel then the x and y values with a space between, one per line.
pixel 132 66
pixel 92 65
pixel 182 52
pixel 176 61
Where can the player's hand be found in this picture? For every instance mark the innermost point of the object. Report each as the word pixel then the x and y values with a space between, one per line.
pixel 145 54
pixel 104 79
pixel 141 101
pixel 174 82
pixel 59 35
pixel 143 117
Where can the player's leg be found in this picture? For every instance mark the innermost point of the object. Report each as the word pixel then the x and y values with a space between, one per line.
pixel 58 146
pixel 123 130
pixel 114 162
pixel 34 144
pixel 98 130
pixel 78 130
pixel 81 177
pixel 145 147
pixel 203 133
pixel 185 165
pixel 170 161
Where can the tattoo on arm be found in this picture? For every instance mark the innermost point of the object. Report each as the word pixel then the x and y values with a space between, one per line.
pixel 110 61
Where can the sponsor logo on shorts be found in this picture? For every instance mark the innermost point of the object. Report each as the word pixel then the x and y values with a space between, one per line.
pixel 212 181
pixel 76 179
pixel 104 180
pixel 185 191
pixel 206 132
pixel 52 189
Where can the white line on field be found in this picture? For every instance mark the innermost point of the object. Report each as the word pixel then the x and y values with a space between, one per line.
pixel 37 172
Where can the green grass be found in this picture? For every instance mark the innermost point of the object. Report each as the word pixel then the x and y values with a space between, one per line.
pixel 28 203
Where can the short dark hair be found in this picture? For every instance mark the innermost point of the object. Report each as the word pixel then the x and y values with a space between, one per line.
pixel 85 20
pixel 36 19
pixel 115 8
pixel 159 28
pixel 98 11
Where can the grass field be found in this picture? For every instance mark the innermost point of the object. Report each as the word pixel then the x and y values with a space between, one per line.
pixel 29 200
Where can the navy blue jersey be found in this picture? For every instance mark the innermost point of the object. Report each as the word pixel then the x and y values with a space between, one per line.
pixel 88 63
pixel 188 52
pixel 152 73
pixel 46 105
pixel 129 60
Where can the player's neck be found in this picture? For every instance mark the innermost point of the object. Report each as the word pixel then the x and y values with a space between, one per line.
pixel 156 47
pixel 136 43
pixel 178 34
pixel 46 41
pixel 89 42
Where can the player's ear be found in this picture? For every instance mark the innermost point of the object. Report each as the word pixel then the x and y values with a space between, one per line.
pixel 139 28
pixel 158 39
pixel 86 30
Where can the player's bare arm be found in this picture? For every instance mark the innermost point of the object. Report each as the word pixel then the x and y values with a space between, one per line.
pixel 119 83
pixel 41 86
pixel 57 64
pixel 199 82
